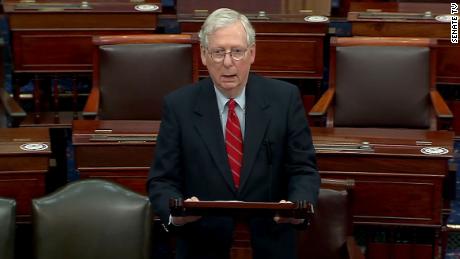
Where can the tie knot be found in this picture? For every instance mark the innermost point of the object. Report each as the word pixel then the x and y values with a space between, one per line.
pixel 231 104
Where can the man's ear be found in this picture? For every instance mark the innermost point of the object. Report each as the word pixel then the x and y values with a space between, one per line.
pixel 203 55
pixel 252 52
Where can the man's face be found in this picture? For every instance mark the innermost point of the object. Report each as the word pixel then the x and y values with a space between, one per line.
pixel 229 75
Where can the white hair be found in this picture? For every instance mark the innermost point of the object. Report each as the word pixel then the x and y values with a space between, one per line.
pixel 224 17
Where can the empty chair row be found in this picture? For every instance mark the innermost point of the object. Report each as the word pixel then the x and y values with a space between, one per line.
pixel 101 219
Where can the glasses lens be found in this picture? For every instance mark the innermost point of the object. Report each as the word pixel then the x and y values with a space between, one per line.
pixel 238 54
pixel 217 55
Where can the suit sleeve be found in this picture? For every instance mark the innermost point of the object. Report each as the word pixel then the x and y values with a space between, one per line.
pixel 300 165
pixel 165 178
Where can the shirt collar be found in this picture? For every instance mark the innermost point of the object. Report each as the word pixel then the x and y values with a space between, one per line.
pixel 222 99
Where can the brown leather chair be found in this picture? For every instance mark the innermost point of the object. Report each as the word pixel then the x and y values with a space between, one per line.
pixel 92 219
pixel 329 235
pixel 7 227
pixel 132 73
pixel 383 82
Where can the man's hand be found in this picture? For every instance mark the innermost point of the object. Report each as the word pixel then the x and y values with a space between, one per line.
pixel 278 219
pixel 179 221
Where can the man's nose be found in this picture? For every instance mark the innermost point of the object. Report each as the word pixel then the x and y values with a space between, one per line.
pixel 228 60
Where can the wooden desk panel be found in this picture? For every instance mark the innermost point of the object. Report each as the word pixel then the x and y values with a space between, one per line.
pixel 319 7
pixel 56 51
pixel 22 173
pixel 125 162
pixel 448 67
pixel 58 39
pixel 278 56
pixel 448 55
pixel 395 200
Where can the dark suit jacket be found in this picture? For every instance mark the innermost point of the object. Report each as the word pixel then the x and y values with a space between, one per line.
pixel 279 163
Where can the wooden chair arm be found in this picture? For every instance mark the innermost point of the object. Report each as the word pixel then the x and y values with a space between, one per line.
pixel 321 107
pixel 91 108
pixel 440 106
pixel 12 108
pixel 354 252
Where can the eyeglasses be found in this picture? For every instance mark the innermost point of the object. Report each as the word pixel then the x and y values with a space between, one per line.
pixel 219 54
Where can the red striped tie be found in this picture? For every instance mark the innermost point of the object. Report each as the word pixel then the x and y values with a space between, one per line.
pixel 234 142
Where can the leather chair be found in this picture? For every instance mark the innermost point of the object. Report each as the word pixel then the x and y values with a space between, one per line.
pixel 92 219
pixel 329 235
pixel 132 73
pixel 7 227
pixel 383 82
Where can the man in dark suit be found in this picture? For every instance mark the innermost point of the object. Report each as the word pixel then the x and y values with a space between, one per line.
pixel 233 136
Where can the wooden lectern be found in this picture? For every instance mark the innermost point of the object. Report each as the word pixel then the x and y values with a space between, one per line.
pixel 240 209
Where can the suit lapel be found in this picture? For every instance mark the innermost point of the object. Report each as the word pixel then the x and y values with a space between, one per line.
pixel 256 122
pixel 207 123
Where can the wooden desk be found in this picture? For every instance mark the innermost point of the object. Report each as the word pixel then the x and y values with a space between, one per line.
pixel 395 183
pixel 54 39
pixel 448 63
pixel 287 45
pixel 124 161
pixel 56 36
pixel 22 171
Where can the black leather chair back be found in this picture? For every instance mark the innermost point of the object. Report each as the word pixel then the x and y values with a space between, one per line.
pixel 92 219
pixel 7 227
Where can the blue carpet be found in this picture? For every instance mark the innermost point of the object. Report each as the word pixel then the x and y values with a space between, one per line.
pixel 454 217
pixel 453 245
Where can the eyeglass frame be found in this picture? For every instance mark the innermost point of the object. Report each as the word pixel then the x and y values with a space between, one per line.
pixel 228 52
